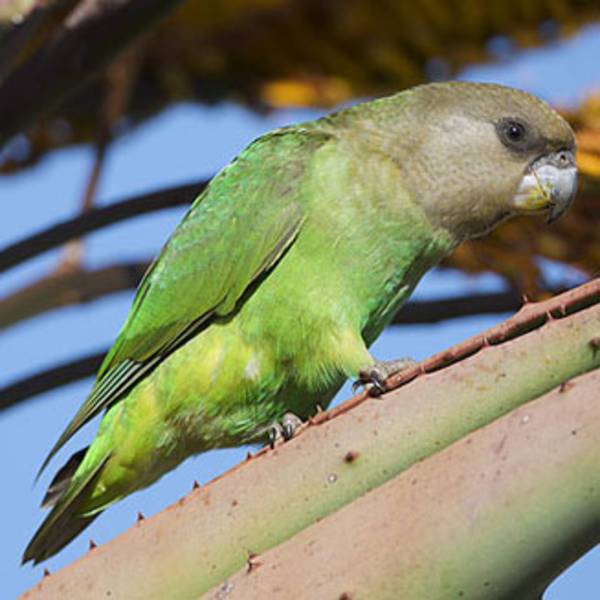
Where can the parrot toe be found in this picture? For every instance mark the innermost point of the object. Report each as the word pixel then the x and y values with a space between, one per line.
pixel 373 379
pixel 284 430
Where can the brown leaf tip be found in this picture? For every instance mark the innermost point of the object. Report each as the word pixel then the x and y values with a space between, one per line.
pixel 140 517
pixel 46 573
pixel 92 544
pixel 595 343
pixel 565 386
pixel 195 485
pixel 351 456
pixel 252 563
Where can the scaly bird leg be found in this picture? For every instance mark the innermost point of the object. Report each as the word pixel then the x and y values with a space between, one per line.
pixel 373 378
pixel 286 429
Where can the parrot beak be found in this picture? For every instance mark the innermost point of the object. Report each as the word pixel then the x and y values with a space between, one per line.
pixel 549 184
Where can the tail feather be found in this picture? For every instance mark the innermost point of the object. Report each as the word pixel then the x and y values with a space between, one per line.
pixel 64 522
pixel 61 481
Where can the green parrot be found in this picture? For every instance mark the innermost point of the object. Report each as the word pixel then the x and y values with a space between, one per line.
pixel 288 266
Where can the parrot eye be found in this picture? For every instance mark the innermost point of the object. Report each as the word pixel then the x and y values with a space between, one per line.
pixel 515 131
pixel 514 134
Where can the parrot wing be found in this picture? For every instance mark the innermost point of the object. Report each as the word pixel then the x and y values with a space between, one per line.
pixel 234 232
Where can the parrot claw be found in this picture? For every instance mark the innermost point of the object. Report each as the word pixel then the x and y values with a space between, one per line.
pixel 284 430
pixel 373 379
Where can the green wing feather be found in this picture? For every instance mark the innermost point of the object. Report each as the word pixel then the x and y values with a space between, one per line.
pixel 235 231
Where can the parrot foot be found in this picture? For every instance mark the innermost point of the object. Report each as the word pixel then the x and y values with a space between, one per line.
pixel 373 379
pixel 284 430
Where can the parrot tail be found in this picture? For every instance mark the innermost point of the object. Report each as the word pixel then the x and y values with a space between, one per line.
pixel 65 495
pixel 60 483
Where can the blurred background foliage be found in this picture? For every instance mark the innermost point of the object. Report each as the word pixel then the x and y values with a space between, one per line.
pixel 279 53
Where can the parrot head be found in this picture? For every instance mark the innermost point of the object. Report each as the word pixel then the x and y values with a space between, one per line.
pixel 518 152
pixel 475 154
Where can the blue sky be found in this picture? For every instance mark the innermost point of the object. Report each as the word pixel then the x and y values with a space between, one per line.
pixel 184 143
